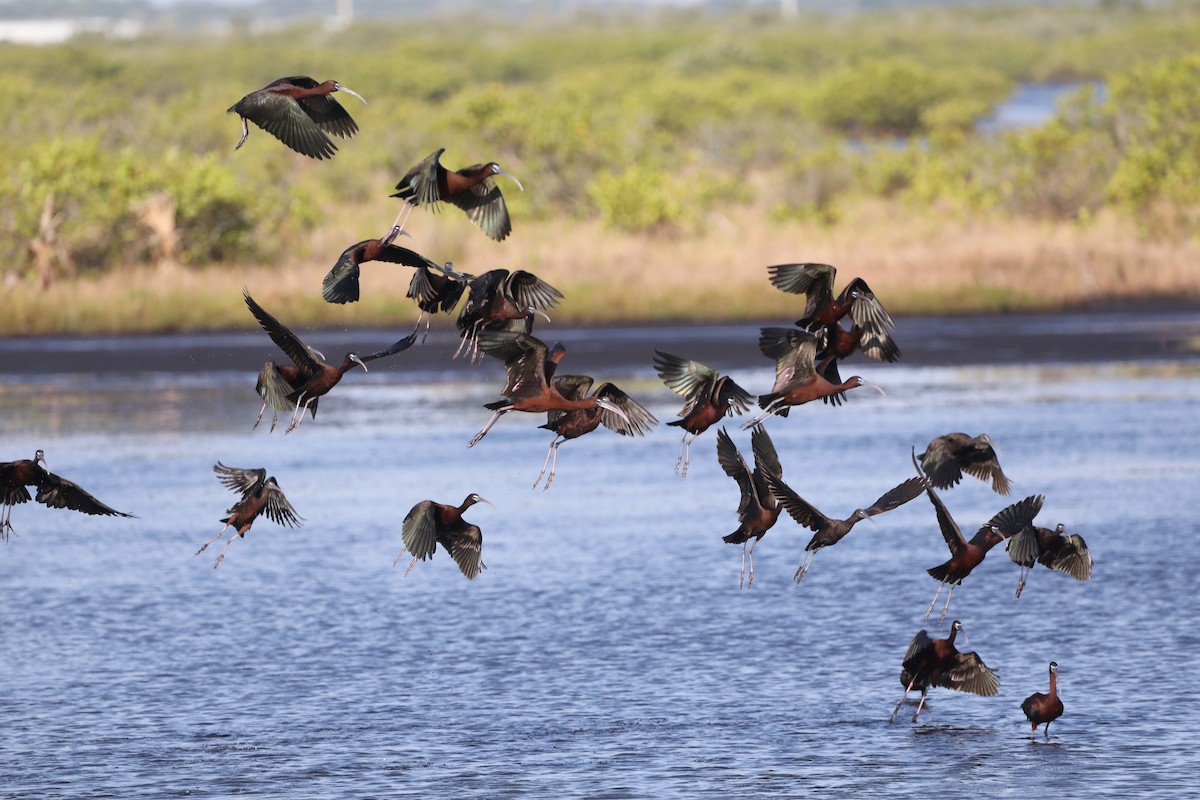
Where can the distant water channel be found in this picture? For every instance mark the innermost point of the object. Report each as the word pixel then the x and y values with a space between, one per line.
pixel 607 651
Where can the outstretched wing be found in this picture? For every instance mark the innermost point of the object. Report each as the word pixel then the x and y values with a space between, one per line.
pixel 57 492
pixel 485 206
pixel 288 120
pixel 524 358
pixel 793 351
pixel 804 512
pixel 464 542
pixel 637 419
pixel 237 479
pixel 419 530
pixel 300 354
pixel 1069 554
pixel 970 674
pixel 897 496
pixel 950 530
pixel 278 509
pixel 734 465
pixel 419 185
pixel 340 284
pixel 813 280
pixel 530 291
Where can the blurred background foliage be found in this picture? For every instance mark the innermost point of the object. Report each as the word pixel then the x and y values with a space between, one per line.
pixel 121 153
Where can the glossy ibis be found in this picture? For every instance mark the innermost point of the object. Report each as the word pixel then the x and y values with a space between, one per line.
pixel 708 397
pixel 758 510
pixel 797 378
pixel 260 494
pixel 299 112
pixel 529 367
pixel 429 524
pixel 341 282
pixel 1051 548
pixel 300 385
pixel 831 531
pixel 835 343
pixel 499 296
pixel 567 425
pixel 1045 708
pixel 937 662
pixel 473 189
pixel 815 281
pixel 966 555
pixel 52 491
pixel 436 289
pixel 947 457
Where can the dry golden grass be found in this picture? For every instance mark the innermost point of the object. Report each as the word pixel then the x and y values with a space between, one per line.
pixel 915 262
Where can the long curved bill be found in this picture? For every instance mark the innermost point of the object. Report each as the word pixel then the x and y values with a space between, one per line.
pixel 360 362
pixel 876 388
pixel 489 502
pixel 348 90
pixel 510 176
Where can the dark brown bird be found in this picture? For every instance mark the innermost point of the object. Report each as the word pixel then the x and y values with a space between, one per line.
pixel 52 491
pixel 1054 549
pixel 815 281
pixel 300 385
pixel 473 189
pixel 797 379
pixel 497 297
pixel 937 662
pixel 831 531
pixel 569 425
pixel 299 112
pixel 947 457
pixel 260 495
pixel 429 524
pixel 529 365
pixel 341 282
pixel 436 289
pixel 758 510
pixel 966 555
pixel 1045 708
pixel 835 343
pixel 708 398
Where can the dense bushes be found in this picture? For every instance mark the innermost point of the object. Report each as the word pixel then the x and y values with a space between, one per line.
pixel 649 126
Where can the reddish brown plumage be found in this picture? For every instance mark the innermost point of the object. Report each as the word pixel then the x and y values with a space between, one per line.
pixel 1044 708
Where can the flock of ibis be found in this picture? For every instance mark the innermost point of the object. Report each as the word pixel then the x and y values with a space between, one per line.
pixel 497 320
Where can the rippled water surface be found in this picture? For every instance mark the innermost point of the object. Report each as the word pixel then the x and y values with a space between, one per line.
pixel 607 650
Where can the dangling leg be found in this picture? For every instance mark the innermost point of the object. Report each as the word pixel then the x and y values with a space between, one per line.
pixel 742 574
pixel 765 414
pixel 685 455
pixel 221 557
pixel 921 704
pixel 204 546
pixel 486 428
pixel 552 448
pixel 299 416
pixel 947 606
pixel 750 555
pixel 896 710
pixel 553 467
pixel 933 602
pixel 802 570
pixel 411 564
pixel 1021 580
pixel 245 133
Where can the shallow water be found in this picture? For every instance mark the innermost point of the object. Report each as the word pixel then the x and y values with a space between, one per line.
pixel 607 651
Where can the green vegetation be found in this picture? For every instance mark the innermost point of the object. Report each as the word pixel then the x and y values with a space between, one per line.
pixel 120 154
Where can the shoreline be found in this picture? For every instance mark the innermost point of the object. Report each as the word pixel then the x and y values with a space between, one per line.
pixel 1129 333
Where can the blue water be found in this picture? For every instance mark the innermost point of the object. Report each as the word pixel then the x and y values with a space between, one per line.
pixel 607 651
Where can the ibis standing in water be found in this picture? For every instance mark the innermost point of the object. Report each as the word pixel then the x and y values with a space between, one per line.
pixel 1044 708
pixel 473 189
pixel 299 386
pixel 758 510
pixel 831 531
pixel 708 398
pixel 429 524
pixel 947 457
pixel 937 662
pixel 52 491
pixel 260 495
pixel 797 378
pixel 299 112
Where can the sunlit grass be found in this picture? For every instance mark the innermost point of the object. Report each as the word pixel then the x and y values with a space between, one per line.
pixel 915 262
